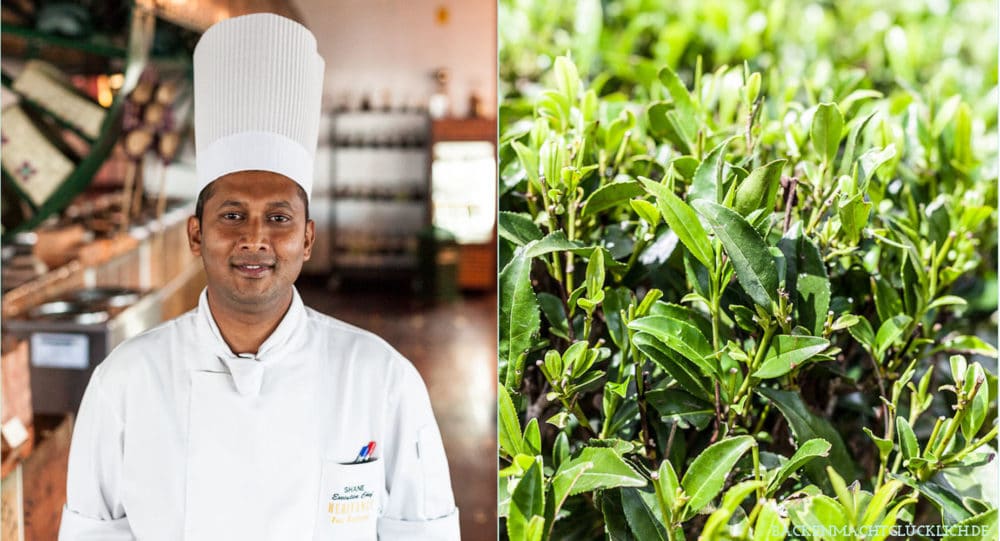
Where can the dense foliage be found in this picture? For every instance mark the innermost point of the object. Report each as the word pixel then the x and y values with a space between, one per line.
pixel 748 261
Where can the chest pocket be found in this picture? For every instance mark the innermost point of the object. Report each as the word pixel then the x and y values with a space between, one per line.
pixel 349 501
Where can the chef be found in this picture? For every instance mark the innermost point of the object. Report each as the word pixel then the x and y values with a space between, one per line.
pixel 252 416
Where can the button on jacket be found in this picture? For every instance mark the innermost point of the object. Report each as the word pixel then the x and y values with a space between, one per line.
pixel 179 438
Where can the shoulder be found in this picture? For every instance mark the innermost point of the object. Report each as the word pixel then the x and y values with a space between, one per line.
pixel 146 349
pixel 358 345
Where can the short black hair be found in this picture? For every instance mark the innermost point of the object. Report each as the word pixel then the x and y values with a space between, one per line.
pixel 207 191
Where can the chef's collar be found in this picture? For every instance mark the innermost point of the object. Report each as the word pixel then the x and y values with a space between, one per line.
pixel 247 369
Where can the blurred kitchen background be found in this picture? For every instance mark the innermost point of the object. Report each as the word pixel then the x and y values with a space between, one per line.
pixel 98 181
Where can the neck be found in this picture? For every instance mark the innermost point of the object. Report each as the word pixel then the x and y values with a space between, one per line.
pixel 244 328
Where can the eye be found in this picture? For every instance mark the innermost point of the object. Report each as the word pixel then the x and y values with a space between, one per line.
pixel 231 216
pixel 280 218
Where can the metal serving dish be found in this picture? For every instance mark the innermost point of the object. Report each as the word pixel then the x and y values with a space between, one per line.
pixel 69 336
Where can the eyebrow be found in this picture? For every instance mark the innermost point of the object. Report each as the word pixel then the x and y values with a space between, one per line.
pixel 240 204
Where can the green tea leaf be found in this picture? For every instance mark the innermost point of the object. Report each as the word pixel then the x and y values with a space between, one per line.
pixel 982 527
pixel 518 228
pixel 814 448
pixel 519 319
pixel 827 126
pixel 889 332
pixel 707 473
pixel 760 189
pixel 770 525
pixel 681 337
pixel 646 210
pixel 532 438
pixel 555 313
pixel 675 405
pixel 688 376
pixel 683 221
pixel 907 439
pixel 806 426
pixel 510 426
pixel 755 268
pixel 610 195
pixel 708 177
pixel 642 520
pixel 527 501
pixel 529 160
pixel 602 468
pixel 788 352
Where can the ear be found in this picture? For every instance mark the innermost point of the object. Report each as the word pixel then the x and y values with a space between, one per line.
pixel 310 238
pixel 194 235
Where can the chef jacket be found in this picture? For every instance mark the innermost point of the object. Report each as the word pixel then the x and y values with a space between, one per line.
pixel 179 438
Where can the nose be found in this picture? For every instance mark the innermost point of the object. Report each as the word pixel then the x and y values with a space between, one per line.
pixel 253 236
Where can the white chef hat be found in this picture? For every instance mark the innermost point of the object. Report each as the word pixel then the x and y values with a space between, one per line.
pixel 258 83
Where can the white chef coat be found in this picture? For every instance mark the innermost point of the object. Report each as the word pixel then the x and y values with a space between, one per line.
pixel 178 438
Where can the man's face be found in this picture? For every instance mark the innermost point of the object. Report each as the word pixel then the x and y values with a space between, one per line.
pixel 253 239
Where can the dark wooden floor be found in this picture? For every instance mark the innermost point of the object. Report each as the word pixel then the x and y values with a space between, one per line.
pixel 453 345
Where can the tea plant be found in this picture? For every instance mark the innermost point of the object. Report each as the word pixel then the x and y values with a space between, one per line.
pixel 745 311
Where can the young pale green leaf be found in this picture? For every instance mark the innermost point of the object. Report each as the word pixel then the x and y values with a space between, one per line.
pixel 755 268
pixel 707 473
pixel 863 333
pixel 967 344
pixel 529 160
pixel 871 160
pixel 610 195
pixel 980 405
pixel 846 497
pixel 510 426
pixel 605 469
pixel 889 332
pixel 947 300
pixel 854 213
pixel 532 441
pixel 553 157
pixel 641 518
pixel 907 439
pixel 518 228
pixel 595 275
pixel 685 166
pixel 646 210
pixel 806 426
pixel 681 337
pixel 829 513
pixel 687 375
pixel 666 485
pixel 730 501
pixel 814 448
pixel 984 525
pixel 519 319
pixel 884 446
pixel 788 352
pixel 760 189
pixel 879 504
pixel 827 127
pixel 567 78
pixel 707 181
pixel 770 524
pixel 553 242
pixel 847 159
pixel 527 501
pixel 535 529
pixel 683 102
pixel 683 221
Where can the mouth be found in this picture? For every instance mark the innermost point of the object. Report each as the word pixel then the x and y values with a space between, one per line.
pixel 253 270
